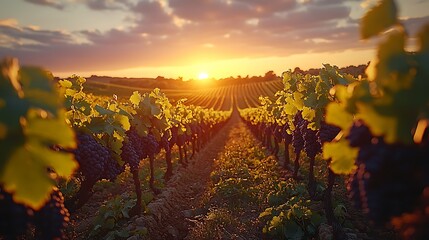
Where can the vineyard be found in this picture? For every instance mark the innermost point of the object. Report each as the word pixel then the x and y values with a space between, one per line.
pixel 327 156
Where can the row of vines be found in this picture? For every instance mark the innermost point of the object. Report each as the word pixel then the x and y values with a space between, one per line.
pixel 374 131
pixel 54 132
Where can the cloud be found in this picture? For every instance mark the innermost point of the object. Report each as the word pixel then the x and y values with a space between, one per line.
pixel 15 36
pixel 153 18
pixel 414 25
pixel 50 3
pixel 107 4
pixel 181 32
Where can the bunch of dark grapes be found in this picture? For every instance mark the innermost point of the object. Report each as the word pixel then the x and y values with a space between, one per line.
pixel 359 135
pixel 327 132
pixel 135 140
pixel 51 219
pixel 390 177
pixel 112 169
pixel 312 144
pixel 150 145
pixel 14 217
pixel 297 139
pixel 129 155
pixel 91 156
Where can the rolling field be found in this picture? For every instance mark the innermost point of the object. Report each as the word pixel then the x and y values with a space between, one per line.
pixel 219 98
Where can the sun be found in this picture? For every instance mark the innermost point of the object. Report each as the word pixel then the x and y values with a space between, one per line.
pixel 203 76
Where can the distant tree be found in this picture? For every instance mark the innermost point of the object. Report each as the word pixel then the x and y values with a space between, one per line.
pixel 270 75
pixel 298 70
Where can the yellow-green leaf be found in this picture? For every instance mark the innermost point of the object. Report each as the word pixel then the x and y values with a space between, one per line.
pixel 308 114
pixel 65 83
pixel 26 178
pixel 380 125
pixel 135 98
pixel 342 156
pixel 336 115
pixel 63 163
pixel 124 121
pixel 50 131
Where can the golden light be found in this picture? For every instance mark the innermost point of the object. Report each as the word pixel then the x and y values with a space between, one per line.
pixel 203 76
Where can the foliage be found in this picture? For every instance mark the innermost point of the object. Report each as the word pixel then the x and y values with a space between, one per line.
pixel 292 220
pixel 393 102
pixel 111 216
pixel 31 123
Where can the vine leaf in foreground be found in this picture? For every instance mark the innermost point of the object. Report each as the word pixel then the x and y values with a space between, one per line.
pixel 33 120
pixel 343 156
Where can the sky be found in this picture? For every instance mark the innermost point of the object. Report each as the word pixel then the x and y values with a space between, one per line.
pixel 182 38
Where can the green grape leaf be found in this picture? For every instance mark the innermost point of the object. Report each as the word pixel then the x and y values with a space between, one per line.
pixel 39 89
pixel 65 83
pixel 342 156
pixel 103 111
pixel 40 130
pixel 308 114
pixel 123 120
pixel 155 110
pixel 135 98
pixel 29 186
pixel 379 19
pixel 141 128
pixel 12 107
pixel 298 100
pixel 379 124
pixel 292 230
pixel 336 115
pixel 311 100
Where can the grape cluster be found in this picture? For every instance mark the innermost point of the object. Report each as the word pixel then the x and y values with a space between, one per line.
pixel 112 169
pixel 51 219
pixel 135 141
pixel 359 134
pixel 91 156
pixel 129 154
pixel 14 217
pixel 327 132
pixel 389 179
pixel 150 145
pixel 312 144
pixel 297 139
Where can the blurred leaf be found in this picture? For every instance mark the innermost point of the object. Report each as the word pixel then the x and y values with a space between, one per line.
pixel 336 115
pixel 379 19
pixel 343 156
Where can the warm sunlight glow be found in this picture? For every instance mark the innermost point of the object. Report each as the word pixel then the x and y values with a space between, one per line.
pixel 203 76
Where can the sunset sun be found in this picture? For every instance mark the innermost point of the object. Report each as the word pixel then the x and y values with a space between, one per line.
pixel 203 76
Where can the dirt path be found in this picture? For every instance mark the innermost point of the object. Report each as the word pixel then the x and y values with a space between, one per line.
pixel 169 212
